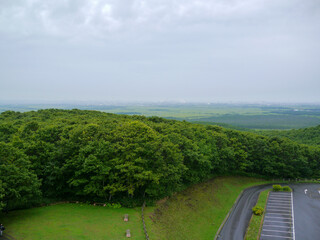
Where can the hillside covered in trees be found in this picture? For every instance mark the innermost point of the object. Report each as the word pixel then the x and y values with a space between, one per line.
pixel 94 156
pixel 310 136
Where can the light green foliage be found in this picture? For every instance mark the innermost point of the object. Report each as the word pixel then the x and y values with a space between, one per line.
pixel 286 189
pixel 257 210
pixel 277 188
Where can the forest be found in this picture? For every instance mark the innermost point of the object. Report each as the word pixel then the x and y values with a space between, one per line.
pixel 51 155
pixel 310 136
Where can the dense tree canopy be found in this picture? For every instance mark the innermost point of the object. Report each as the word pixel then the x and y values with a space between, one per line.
pixel 310 136
pixel 96 156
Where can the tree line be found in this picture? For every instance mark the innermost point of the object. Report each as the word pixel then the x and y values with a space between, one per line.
pixel 310 136
pixel 94 156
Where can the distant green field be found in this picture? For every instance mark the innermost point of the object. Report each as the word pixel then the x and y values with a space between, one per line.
pixel 239 116
pixel 72 221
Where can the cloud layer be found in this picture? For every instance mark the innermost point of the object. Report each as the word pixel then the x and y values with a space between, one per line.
pixel 219 50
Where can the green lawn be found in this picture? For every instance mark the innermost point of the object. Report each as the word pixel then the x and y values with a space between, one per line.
pixel 73 221
pixel 197 212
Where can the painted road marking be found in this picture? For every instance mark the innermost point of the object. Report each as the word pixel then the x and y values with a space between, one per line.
pixel 277 231
pixel 280 197
pixel 280 214
pixel 275 236
pixel 305 191
pixel 272 207
pixel 294 234
pixel 277 217
pixel 278 204
pixel 277 226
pixel 278 222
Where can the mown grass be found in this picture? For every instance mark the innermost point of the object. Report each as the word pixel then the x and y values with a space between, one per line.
pixel 73 221
pixel 254 227
pixel 197 212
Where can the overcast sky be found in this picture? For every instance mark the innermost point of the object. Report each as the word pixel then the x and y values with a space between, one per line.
pixel 160 50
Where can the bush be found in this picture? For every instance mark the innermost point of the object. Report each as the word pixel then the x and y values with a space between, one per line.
pixel 277 188
pixel 286 189
pixel 113 205
pixel 257 210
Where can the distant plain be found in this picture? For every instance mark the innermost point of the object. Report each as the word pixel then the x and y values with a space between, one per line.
pixel 238 116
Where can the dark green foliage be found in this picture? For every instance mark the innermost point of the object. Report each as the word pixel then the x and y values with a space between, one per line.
pixel 95 156
pixel 19 184
pixel 257 210
pixel 310 136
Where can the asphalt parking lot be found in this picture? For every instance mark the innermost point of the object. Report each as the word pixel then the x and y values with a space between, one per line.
pixel 279 217
pixel 306 214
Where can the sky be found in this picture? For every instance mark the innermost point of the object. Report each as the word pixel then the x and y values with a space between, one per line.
pixel 160 50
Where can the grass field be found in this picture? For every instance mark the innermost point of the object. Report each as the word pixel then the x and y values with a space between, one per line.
pixel 256 221
pixel 73 221
pixel 197 212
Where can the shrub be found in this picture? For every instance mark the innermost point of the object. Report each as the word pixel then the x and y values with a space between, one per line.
pixel 277 188
pixel 257 210
pixel 286 189
pixel 113 205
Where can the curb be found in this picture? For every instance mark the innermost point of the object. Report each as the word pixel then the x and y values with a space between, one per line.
pixel 262 220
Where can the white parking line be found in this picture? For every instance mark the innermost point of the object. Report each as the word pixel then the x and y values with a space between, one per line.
pixel 276 226
pixel 294 234
pixel 280 201
pixel 277 214
pixel 277 221
pixel 275 196
pixel 278 217
pixel 276 231
pixel 275 236
pixel 274 204
pixel 272 207
pixel 286 199
pixel 279 211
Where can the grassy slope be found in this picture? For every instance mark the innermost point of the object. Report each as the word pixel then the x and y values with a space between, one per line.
pixel 256 221
pixel 197 212
pixel 73 221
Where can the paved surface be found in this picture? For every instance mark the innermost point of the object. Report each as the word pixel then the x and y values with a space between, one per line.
pixel 279 218
pixel 237 223
pixel 306 206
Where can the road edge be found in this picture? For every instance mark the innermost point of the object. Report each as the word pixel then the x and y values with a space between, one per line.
pixel 226 218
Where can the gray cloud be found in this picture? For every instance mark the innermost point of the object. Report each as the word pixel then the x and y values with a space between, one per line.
pixel 202 50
